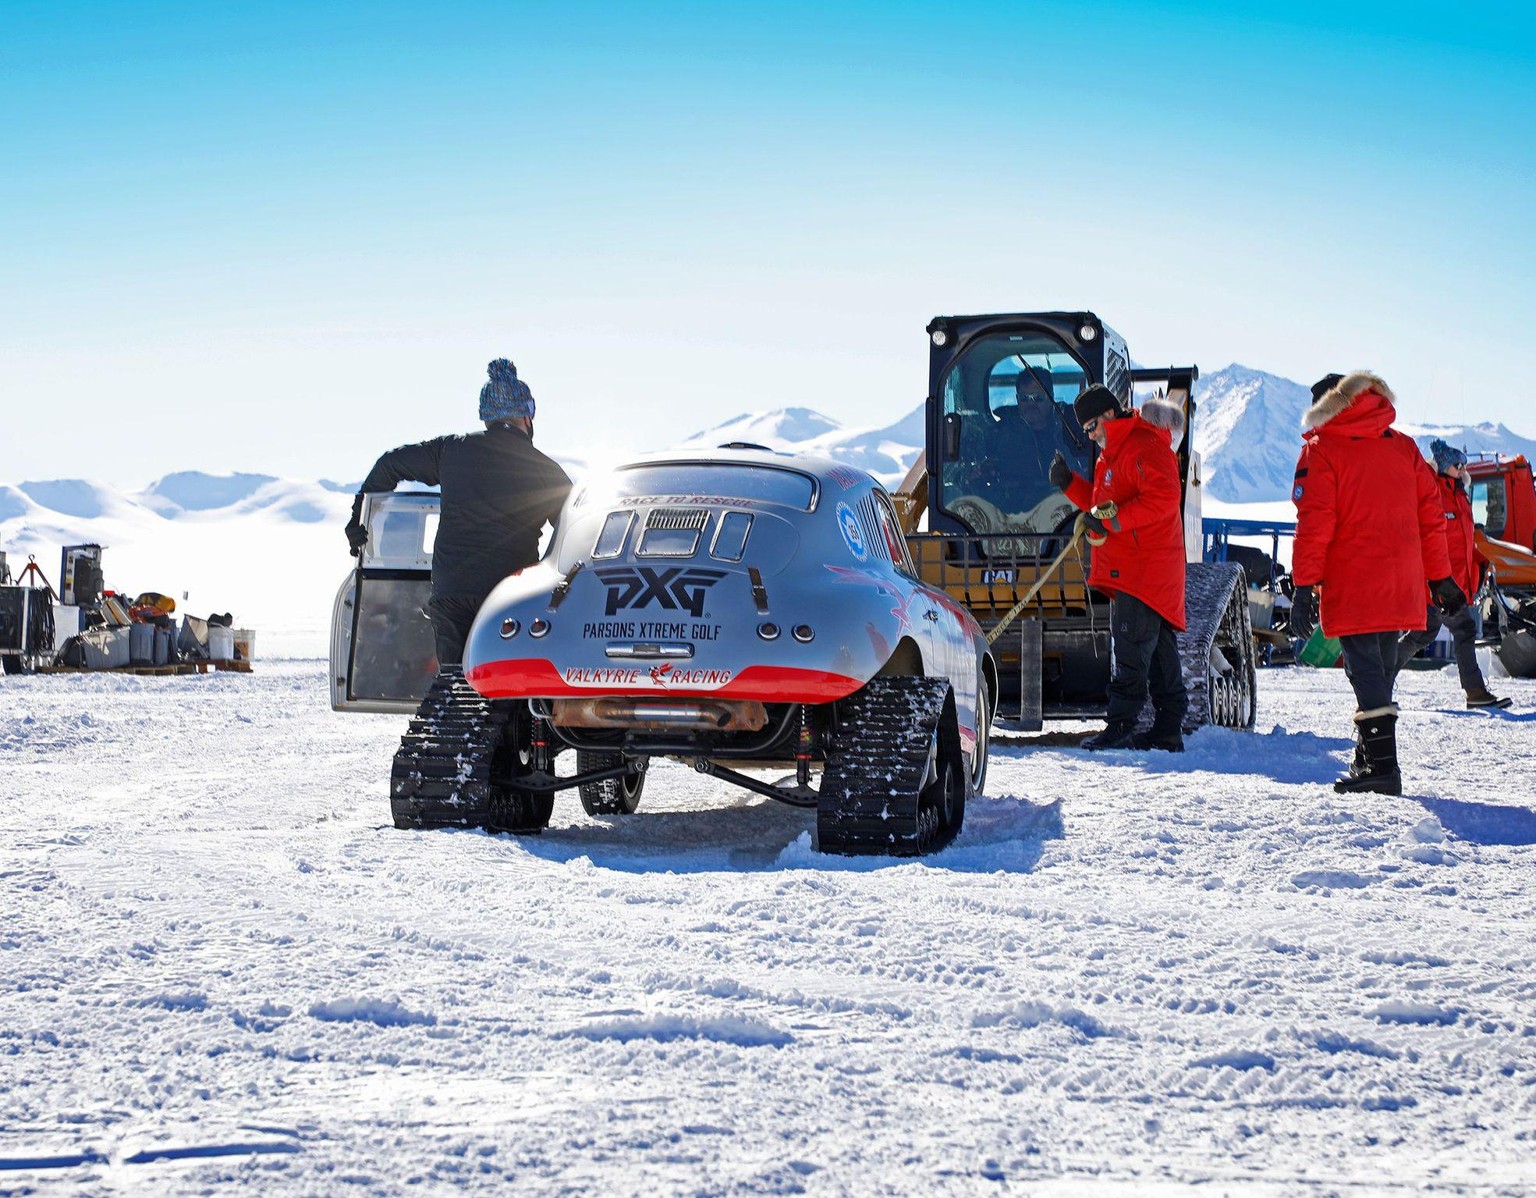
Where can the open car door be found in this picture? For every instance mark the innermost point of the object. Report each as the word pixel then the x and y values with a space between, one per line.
pixel 383 657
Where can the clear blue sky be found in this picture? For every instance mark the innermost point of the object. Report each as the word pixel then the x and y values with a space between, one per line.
pixel 282 237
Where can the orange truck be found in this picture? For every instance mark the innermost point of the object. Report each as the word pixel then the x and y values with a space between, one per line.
pixel 1504 511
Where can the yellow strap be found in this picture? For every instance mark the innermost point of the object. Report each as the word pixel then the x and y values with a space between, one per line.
pixel 1013 612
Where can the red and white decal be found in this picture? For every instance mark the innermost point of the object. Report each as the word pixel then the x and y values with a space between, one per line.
pixel 772 684
pixel 666 676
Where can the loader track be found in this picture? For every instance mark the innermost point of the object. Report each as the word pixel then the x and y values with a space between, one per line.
pixel 1219 630
pixel 894 782
pixel 455 760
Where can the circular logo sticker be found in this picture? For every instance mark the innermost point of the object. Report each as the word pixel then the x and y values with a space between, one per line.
pixel 853 532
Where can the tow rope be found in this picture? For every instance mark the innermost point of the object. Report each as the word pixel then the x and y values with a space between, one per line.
pixel 1078 533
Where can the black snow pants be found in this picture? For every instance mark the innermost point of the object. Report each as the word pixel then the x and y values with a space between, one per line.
pixel 1146 661
pixel 451 617
pixel 1463 626
pixel 1370 661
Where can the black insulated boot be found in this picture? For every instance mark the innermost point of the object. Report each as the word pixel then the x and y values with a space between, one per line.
pixel 1165 733
pixel 1358 765
pixel 1482 698
pixel 1117 734
pixel 1374 768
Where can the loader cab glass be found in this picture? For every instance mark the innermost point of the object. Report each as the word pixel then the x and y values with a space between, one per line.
pixel 1007 412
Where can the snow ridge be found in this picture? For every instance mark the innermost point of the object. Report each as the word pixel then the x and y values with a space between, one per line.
pixel 215 541
pixel 1248 433
pixel 886 451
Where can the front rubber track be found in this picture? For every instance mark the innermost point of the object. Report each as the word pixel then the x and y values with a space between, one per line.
pixel 894 782
pixel 454 760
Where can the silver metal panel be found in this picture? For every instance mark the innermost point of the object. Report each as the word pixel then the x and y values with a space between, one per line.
pixel 829 571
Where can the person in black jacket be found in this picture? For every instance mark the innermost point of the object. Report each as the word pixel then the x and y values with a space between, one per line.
pixel 498 493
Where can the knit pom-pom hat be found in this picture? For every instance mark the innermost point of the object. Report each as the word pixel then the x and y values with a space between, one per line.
pixel 505 397
pixel 1446 455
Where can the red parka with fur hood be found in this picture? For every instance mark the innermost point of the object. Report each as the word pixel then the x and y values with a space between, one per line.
pixel 1143 555
pixel 1370 527
pixel 1460 536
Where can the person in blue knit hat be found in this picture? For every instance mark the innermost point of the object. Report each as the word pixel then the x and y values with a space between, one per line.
pixel 1470 570
pixel 498 493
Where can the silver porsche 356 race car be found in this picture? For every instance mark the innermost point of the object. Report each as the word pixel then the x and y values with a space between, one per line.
pixel 734 608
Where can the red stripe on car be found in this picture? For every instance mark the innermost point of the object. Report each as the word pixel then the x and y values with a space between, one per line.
pixel 527 677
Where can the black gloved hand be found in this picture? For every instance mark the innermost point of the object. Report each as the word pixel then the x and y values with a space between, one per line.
pixel 1303 612
pixel 1059 472
pixel 357 535
pixel 1449 597
pixel 1092 528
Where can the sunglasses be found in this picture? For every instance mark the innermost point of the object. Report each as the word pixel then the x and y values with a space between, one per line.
pixel 1092 426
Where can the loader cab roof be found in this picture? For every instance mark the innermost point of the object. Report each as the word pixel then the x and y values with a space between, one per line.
pixel 1081 337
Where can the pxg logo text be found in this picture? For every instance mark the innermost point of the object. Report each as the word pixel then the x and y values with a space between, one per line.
pixel 680 588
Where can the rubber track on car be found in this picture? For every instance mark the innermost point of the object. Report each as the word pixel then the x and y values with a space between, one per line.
pixel 441 776
pixel 876 765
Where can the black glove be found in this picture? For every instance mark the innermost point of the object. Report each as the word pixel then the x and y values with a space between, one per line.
pixel 1093 528
pixel 1059 472
pixel 1303 612
pixel 1448 596
pixel 357 535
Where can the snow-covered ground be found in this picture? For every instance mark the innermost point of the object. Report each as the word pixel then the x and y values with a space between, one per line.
pixel 1133 973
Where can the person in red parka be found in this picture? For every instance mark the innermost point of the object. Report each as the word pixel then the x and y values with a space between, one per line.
pixel 1370 534
pixel 1468 568
pixel 1135 524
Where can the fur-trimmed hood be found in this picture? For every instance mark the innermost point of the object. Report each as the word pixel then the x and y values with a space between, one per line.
pixel 1162 412
pixel 1344 393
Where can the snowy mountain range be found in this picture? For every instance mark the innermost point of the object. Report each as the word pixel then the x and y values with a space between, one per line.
pixel 1248 432
pixel 270 549
pixel 884 452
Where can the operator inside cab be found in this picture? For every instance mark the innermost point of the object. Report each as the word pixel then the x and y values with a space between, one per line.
pixel 1025 429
